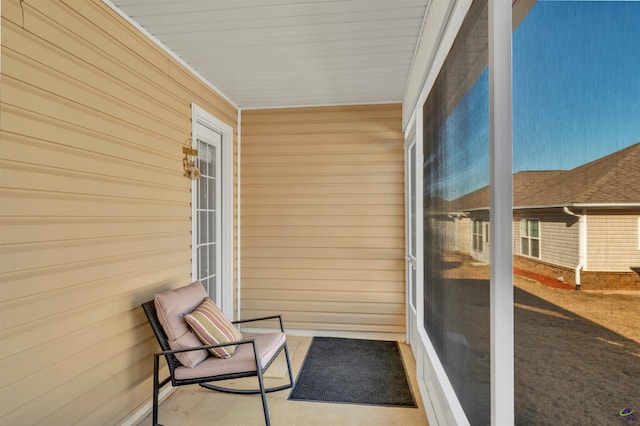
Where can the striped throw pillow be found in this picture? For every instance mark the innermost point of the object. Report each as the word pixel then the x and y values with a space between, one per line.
pixel 212 328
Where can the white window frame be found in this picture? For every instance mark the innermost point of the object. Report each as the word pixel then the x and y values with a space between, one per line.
pixel 225 269
pixel 477 238
pixel 525 232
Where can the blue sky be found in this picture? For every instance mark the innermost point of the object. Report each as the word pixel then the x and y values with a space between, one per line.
pixel 576 83
pixel 576 93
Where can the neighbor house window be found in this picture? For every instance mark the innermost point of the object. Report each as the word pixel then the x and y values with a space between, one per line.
pixel 478 238
pixel 530 237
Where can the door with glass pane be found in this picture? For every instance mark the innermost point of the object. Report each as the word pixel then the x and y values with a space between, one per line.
pixel 410 237
pixel 207 212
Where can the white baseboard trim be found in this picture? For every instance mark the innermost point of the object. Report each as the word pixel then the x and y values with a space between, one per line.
pixel 139 415
pixel 373 335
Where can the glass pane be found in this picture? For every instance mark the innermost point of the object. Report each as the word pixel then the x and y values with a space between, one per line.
pixel 202 192
pixel 524 246
pixel 212 160
pixel 203 162
pixel 212 260
pixel 211 226
pixel 202 228
pixel 456 179
pixel 576 129
pixel 535 248
pixel 209 284
pixel 211 188
pixel 203 258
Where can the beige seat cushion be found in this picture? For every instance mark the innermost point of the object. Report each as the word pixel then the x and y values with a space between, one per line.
pixel 171 306
pixel 242 361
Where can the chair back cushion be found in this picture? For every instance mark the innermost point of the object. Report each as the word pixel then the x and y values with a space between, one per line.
pixel 213 328
pixel 171 306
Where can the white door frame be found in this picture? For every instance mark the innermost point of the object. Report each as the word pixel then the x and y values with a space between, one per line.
pixel 201 117
pixel 411 261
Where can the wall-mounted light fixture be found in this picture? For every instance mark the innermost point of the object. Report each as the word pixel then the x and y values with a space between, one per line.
pixel 189 162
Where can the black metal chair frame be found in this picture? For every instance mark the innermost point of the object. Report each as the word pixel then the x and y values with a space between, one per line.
pixel 172 362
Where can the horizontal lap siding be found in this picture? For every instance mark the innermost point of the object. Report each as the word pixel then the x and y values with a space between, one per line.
pixel 613 241
pixel 95 212
pixel 559 239
pixel 559 236
pixel 322 238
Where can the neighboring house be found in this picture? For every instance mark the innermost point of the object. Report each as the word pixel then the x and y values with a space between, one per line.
pixel 580 226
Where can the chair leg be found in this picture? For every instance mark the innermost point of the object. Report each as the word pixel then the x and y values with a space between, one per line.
pixel 263 394
pixel 286 354
pixel 262 390
pixel 156 388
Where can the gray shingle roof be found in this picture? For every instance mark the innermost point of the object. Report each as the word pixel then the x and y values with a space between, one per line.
pixel 613 179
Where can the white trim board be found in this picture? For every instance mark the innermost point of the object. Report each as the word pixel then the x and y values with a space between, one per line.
pixel 399 101
pixel 372 335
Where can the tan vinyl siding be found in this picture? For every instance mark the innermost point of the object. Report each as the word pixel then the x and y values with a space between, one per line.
pixel 612 240
pixel 323 217
pixel 95 215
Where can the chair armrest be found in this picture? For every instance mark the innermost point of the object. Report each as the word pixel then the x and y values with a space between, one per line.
pixel 279 317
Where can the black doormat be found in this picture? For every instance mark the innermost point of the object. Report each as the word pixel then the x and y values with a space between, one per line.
pixel 353 371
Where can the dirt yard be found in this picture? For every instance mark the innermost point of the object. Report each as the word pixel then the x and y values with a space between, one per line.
pixel 618 312
pixel 577 355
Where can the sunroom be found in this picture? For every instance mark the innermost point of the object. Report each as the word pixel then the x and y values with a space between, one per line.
pixel 330 140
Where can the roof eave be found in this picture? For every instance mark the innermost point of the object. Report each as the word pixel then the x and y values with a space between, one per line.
pixel 576 205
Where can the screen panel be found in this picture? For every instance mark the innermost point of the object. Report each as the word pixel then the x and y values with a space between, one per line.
pixel 456 166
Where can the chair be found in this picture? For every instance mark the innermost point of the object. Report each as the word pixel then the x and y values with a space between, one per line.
pixel 252 358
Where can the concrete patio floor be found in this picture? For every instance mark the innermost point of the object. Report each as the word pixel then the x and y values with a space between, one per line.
pixel 193 405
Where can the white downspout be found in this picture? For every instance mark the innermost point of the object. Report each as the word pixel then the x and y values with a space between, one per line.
pixel 582 244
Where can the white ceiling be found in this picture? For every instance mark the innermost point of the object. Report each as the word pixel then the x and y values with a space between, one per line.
pixel 281 53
